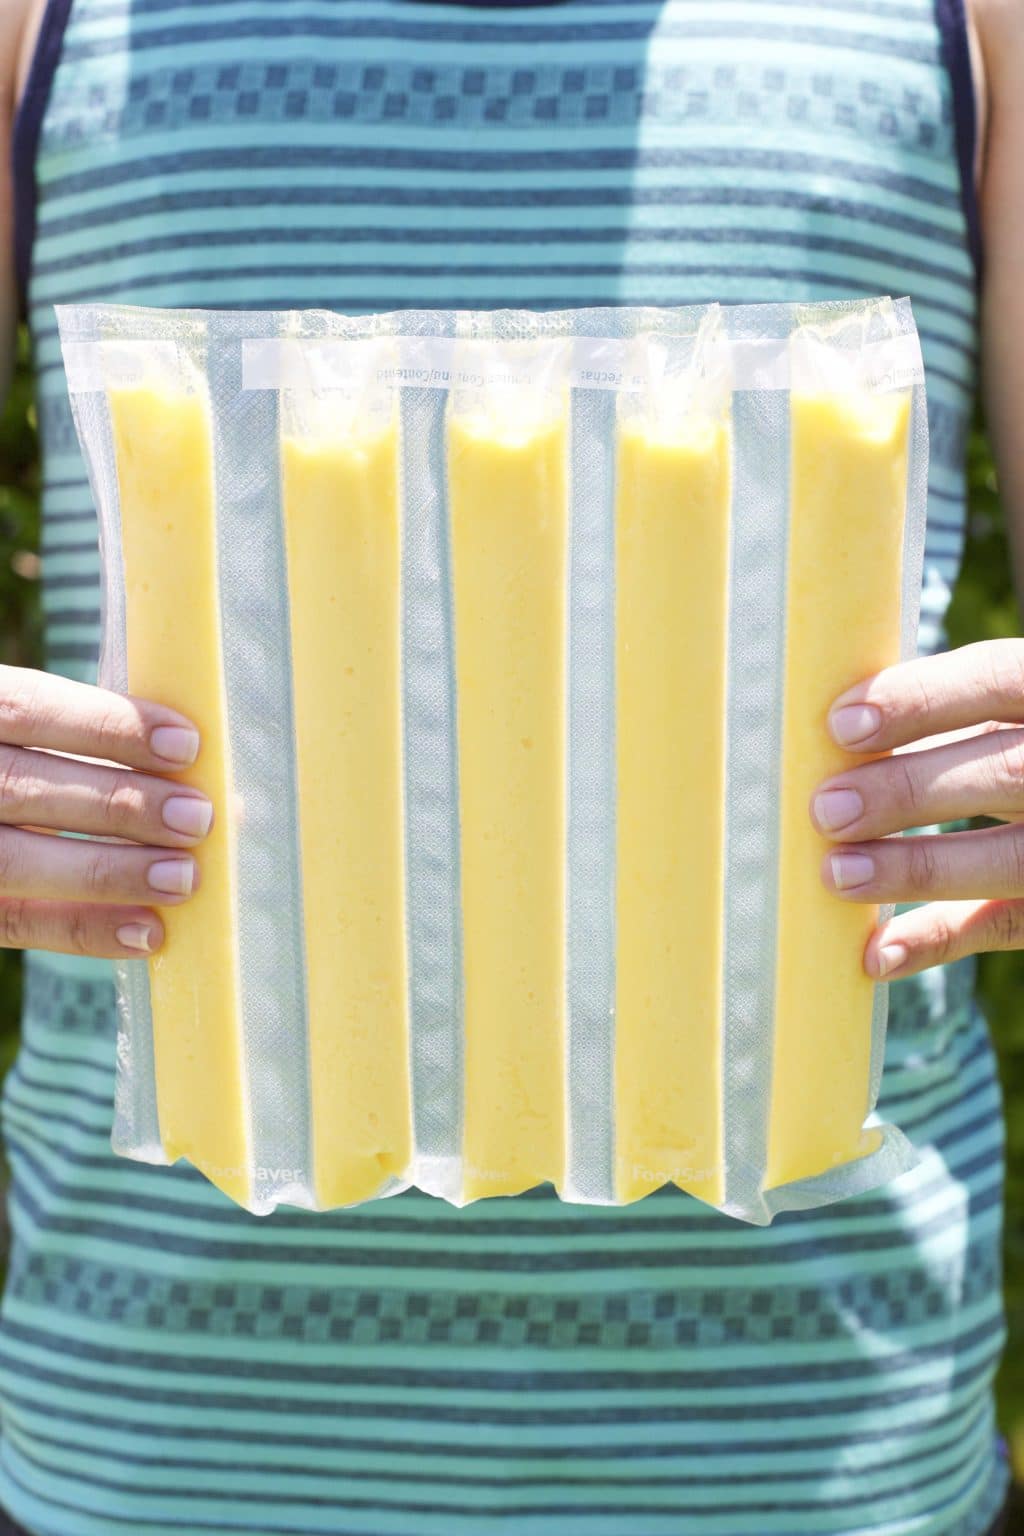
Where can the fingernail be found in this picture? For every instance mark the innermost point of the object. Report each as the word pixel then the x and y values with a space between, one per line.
pixel 855 722
pixel 134 935
pixel 173 876
pixel 175 743
pixel 890 957
pixel 835 808
pixel 188 814
pixel 850 869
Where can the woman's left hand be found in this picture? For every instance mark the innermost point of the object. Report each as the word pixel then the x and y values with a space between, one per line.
pixel 962 712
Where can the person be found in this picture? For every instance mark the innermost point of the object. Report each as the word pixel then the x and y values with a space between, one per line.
pixel 171 1363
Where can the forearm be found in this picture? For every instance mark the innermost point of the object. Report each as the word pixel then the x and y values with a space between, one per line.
pixel 1002 382
pixel 1008 450
pixel 11 19
pixel 1002 298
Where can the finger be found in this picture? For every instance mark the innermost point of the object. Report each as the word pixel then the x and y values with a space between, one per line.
pixel 33 864
pixel 931 694
pixel 80 928
pixel 44 789
pixel 40 709
pixel 945 866
pixel 979 775
pixel 942 931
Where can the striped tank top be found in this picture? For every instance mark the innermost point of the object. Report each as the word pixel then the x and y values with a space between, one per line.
pixel 520 1366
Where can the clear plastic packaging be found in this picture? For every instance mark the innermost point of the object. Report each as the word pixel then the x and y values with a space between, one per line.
pixel 510 637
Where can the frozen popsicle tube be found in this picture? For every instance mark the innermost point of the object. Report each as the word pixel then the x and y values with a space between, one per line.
pixel 343 544
pixel 507 488
pixel 671 585
pixel 848 480
pixel 162 446
pixel 511 714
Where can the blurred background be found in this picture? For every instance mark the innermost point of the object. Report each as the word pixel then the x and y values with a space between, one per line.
pixel 983 608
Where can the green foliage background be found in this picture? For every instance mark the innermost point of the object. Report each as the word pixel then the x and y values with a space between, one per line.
pixel 983 608
pixel 20 617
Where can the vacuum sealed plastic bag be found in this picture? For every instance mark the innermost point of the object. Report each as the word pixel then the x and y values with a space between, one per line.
pixel 510 637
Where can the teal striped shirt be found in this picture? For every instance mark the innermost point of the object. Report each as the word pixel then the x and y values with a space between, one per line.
pixel 171 1363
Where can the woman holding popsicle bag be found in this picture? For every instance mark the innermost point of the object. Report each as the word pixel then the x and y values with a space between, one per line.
pixel 171 1363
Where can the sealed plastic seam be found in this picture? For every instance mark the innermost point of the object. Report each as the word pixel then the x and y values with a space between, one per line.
pixel 510 638
pixel 448 362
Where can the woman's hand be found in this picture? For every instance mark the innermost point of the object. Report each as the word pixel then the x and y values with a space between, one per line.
pixel 78 895
pixel 962 712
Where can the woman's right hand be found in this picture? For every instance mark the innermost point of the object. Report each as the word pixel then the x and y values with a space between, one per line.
pixel 76 894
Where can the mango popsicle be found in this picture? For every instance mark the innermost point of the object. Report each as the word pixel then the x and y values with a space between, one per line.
pixel 165 480
pixel 847 495
pixel 343 544
pixel 671 563
pixel 507 498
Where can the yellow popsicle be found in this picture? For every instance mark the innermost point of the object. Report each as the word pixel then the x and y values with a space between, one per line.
pixel 847 495
pixel 343 542
pixel 507 498
pixel 671 576
pixel 165 481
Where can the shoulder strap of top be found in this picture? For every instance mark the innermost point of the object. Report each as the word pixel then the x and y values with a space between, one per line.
pixel 25 138
pixel 951 17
